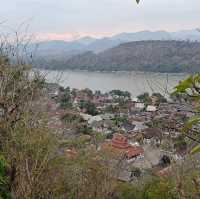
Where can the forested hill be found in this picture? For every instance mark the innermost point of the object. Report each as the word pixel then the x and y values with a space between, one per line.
pixel 155 56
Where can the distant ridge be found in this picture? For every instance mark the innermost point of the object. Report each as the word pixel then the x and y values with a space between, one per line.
pixel 154 56
pixel 91 53
pixel 99 45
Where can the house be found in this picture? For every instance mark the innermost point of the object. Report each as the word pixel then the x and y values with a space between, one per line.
pixel 140 105
pixel 83 95
pixel 128 127
pixel 85 116
pixel 103 126
pixel 120 147
pixel 152 135
pixel 134 99
pixel 96 118
pixel 151 108
pixel 52 89
pixel 139 126
pixel 154 100
pixel 108 116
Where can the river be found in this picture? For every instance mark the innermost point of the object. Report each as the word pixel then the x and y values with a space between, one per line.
pixel 134 82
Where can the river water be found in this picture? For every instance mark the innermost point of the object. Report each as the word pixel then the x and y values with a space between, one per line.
pixel 134 82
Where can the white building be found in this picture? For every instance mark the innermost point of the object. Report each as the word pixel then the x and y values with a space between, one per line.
pixel 140 105
pixel 151 108
pixel 95 119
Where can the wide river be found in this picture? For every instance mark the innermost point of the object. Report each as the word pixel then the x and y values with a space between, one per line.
pixel 134 82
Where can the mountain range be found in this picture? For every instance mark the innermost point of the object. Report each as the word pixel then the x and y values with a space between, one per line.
pixel 152 56
pixel 111 53
pixel 98 45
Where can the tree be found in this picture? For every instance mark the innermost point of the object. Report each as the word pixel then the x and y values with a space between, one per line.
pixel 26 143
pixel 4 188
pixel 128 191
pixel 160 98
pixel 90 177
pixel 120 94
pixel 89 107
pixel 190 87
pixel 145 98
pixel 65 101
pixel 160 189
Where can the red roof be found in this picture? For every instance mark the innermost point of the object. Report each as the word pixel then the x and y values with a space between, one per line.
pixel 120 141
pixel 119 144
pixel 134 151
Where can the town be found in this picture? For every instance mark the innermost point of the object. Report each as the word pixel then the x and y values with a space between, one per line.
pixel 144 134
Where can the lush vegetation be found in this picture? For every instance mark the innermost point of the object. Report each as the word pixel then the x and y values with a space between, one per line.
pixel 155 98
pixel 190 88
pixel 65 101
pixel 154 56
pixel 118 94
pixel 4 186
pixel 32 165
pixel 89 107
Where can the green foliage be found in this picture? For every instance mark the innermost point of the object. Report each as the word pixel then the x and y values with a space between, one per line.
pixel 179 97
pixel 144 98
pixel 120 94
pixel 84 129
pixel 65 101
pixel 154 189
pixel 128 191
pixel 89 107
pixel 109 136
pixel 196 150
pixel 71 118
pixel 77 143
pixel 160 98
pixel 4 59
pixel 119 120
pixel 180 144
pixel 185 84
pixel 147 99
pixel 4 191
pixel 190 87
pixel 191 122
pixel 88 92
pixel 160 189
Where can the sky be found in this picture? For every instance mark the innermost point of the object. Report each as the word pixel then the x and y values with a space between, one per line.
pixel 71 19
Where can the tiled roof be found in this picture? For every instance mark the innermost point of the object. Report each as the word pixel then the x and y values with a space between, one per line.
pixel 119 145
pixel 134 151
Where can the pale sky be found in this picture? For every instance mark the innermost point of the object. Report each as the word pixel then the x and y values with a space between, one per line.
pixel 67 19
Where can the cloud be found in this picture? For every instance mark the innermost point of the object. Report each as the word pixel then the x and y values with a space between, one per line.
pixel 60 17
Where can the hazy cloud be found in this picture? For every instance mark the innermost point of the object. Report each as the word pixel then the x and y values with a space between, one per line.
pixel 101 16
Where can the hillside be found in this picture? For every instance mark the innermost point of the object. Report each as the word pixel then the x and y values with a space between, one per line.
pixel 63 49
pixel 155 56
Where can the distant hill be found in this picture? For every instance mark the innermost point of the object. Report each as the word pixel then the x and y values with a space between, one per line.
pixel 66 49
pixel 93 54
pixel 155 56
pixel 143 35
